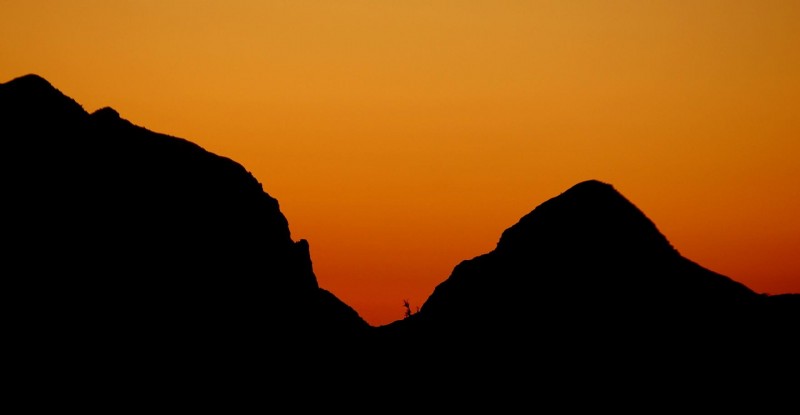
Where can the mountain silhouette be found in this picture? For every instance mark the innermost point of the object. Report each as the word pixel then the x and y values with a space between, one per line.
pixel 127 248
pixel 587 274
pixel 588 247
pixel 120 235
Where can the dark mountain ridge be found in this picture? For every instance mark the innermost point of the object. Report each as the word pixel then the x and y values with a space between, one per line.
pixel 590 242
pixel 588 248
pixel 588 264
pixel 135 239
pixel 118 230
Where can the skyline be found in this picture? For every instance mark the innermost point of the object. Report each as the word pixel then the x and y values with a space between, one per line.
pixel 400 140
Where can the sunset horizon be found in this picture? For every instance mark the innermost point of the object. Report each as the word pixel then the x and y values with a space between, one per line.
pixel 400 140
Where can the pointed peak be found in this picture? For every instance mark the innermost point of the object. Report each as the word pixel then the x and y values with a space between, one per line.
pixel 591 184
pixel 30 81
pixel 588 211
pixel 592 195
pixel 33 96
pixel 592 188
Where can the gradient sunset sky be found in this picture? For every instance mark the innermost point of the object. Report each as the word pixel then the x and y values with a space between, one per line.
pixel 402 137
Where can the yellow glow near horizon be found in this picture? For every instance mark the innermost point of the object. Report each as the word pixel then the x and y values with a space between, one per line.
pixel 403 137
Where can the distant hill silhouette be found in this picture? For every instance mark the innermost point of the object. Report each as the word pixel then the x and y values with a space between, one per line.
pixel 585 299
pixel 123 242
pixel 587 274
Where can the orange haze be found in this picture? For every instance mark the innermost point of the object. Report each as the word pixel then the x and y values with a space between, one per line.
pixel 401 137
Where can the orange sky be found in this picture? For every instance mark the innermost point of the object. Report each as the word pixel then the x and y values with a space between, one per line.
pixel 401 137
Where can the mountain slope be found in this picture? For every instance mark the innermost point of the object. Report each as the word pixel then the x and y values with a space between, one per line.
pixel 130 251
pixel 118 232
pixel 587 267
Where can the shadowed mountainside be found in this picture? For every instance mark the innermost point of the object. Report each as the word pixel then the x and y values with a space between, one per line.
pixel 113 230
pixel 588 263
pixel 133 240
pixel 585 294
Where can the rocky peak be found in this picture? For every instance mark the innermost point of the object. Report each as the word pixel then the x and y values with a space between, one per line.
pixel 34 98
